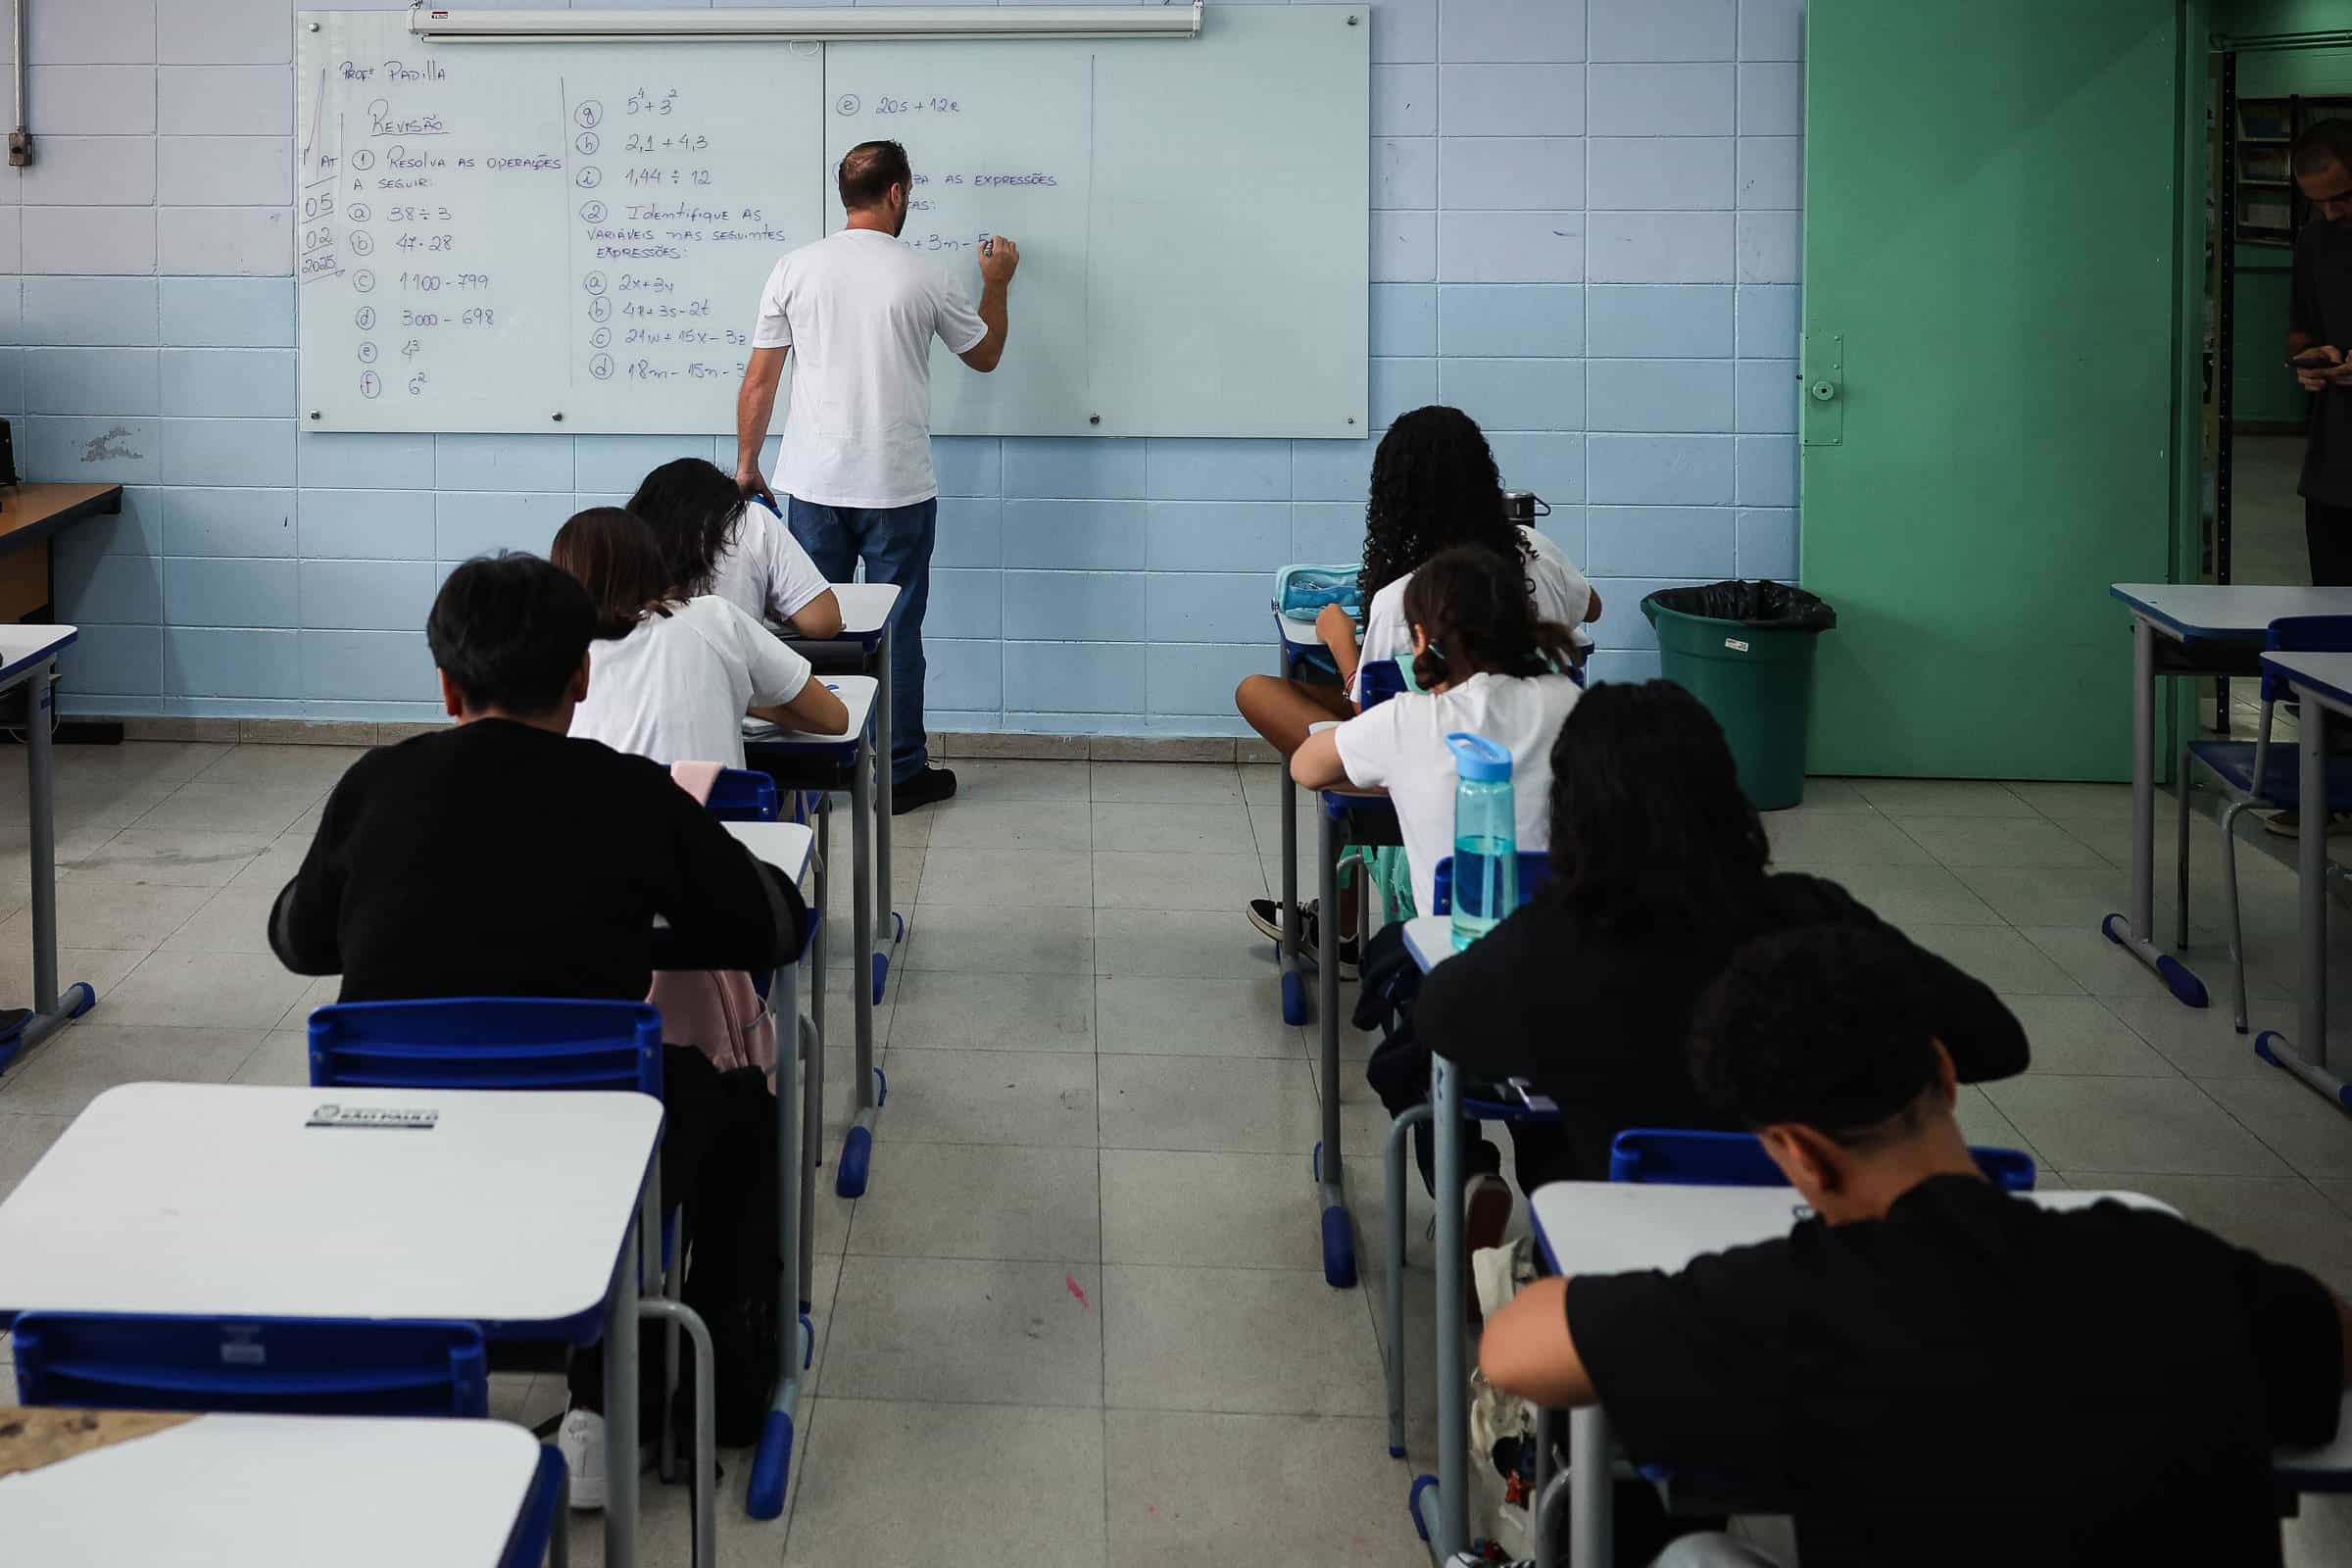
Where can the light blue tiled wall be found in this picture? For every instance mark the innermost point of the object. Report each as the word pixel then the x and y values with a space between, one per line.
pixel 1586 233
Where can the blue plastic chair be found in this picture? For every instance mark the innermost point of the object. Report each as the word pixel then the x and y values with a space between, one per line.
pixel 2252 776
pixel 1689 1159
pixel 280 1366
pixel 743 796
pixel 525 1043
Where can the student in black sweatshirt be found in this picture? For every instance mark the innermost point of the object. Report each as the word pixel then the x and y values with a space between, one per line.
pixel 502 857
pixel 1658 873
pixel 1930 1371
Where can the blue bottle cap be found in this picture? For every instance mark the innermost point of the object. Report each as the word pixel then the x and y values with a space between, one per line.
pixel 1479 759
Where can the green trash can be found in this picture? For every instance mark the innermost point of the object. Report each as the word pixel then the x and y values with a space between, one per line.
pixel 1745 650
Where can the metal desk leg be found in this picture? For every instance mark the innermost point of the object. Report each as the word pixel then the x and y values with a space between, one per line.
pixel 1338 1232
pixel 1454 1374
pixel 1401 1132
pixel 2134 930
pixel 1591 1530
pixel 856 1145
pixel 2310 1063
pixel 1287 954
pixel 620 1407
pixel 49 1010
pixel 894 924
pixel 1551 1500
pixel 772 1464
pixel 679 1316
pixel 813 1089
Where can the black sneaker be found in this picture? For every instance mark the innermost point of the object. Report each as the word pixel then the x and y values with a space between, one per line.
pixel 1266 915
pixel 927 788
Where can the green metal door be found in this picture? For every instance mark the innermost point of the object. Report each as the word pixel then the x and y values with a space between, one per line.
pixel 1990 305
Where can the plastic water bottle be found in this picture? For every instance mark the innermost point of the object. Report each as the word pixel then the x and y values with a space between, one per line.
pixel 1485 831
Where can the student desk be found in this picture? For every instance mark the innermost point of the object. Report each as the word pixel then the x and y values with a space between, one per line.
pixel 28 514
pixel 2187 629
pixel 787 847
pixel 2325 684
pixel 1614 1228
pixel 863 649
pixel 518 1211
pixel 1428 937
pixel 360 1491
pixel 830 763
pixel 28 653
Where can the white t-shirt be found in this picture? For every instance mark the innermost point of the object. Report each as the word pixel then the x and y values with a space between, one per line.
pixel 1401 746
pixel 859 311
pixel 1561 594
pixel 764 568
pixel 675 688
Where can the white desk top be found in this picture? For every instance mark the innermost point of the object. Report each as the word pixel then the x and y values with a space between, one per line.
pixel 2325 676
pixel 1428 937
pixel 857 694
pixel 218 1198
pixel 21 646
pixel 2234 611
pixel 786 846
pixel 272 1491
pixel 1296 635
pixel 1612 1227
pixel 864 607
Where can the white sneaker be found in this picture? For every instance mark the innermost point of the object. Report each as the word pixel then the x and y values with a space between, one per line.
pixel 581 1442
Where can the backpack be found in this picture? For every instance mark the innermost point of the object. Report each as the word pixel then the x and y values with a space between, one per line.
pixel 718 1011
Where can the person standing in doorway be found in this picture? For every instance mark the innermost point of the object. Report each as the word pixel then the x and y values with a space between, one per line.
pixel 862 308
pixel 2318 339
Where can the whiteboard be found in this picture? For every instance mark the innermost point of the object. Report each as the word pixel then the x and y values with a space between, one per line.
pixel 572 236
pixel 541 237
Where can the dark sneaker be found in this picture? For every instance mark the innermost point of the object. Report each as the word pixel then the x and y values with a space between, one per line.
pixel 1266 915
pixel 927 788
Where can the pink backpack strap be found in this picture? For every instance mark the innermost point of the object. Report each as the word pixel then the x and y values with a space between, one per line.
pixel 697 779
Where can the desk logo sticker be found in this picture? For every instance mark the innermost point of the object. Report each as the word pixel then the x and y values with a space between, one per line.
pixel 418 1120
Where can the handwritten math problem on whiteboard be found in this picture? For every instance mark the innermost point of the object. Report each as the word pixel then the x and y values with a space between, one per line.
pixel 575 249
pixel 572 236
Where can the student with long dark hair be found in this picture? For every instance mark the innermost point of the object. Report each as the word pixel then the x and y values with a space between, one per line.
pixel 675 673
pixel 1434 486
pixel 714 541
pixel 1659 871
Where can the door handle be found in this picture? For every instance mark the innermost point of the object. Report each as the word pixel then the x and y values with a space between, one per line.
pixel 1824 390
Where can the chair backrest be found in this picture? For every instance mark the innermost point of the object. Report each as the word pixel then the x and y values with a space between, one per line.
pixel 273 1366
pixel 743 796
pixel 2304 634
pixel 1535 871
pixel 487 1043
pixel 1378 680
pixel 1688 1159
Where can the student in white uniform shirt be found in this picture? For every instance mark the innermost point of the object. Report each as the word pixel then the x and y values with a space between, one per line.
pixel 671 676
pixel 860 310
pixel 714 541
pixel 1487 666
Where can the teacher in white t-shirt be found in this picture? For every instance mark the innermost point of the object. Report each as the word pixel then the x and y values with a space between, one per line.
pixel 862 308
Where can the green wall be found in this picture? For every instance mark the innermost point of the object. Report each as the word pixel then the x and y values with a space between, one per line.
pixel 2260 19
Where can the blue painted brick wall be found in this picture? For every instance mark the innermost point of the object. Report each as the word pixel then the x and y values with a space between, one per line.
pixel 1586 233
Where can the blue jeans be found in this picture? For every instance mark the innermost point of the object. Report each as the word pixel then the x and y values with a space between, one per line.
pixel 895 543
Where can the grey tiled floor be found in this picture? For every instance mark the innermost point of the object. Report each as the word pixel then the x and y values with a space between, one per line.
pixel 1080 1315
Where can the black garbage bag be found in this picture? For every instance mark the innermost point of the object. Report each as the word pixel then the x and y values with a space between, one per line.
pixel 1752 603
